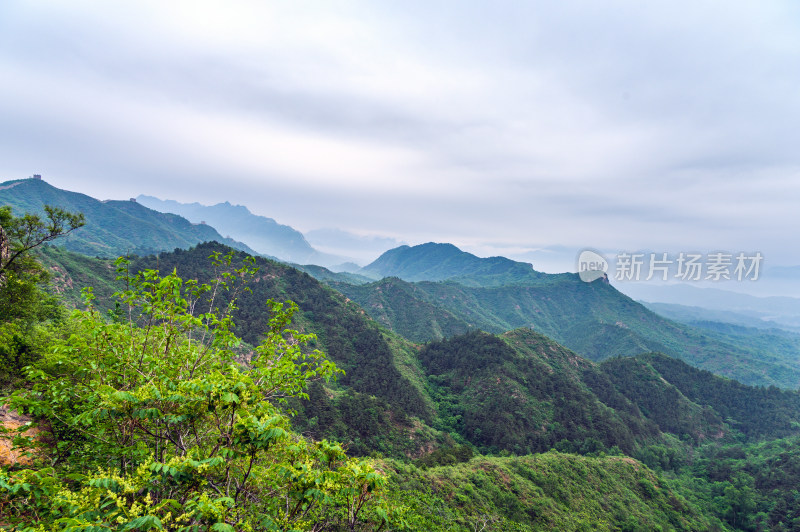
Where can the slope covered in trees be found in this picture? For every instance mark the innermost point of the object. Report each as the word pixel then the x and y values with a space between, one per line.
pixel 159 418
pixel 433 407
pixel 153 420
pixel 519 392
pixel 381 384
pixel 593 319
pixel 439 262
pixel 113 228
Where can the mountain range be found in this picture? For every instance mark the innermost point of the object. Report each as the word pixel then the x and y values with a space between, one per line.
pixel 263 234
pixel 438 290
pixel 113 227
pixel 510 394
pixel 434 291
pixel 518 391
pixel 447 355
pixel 440 262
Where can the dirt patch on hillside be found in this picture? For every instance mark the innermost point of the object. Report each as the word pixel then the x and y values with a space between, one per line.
pixel 11 422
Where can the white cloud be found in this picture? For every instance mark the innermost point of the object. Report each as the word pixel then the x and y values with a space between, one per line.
pixel 514 124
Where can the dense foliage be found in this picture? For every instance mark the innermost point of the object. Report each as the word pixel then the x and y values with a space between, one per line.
pixel 405 308
pixel 381 369
pixel 593 319
pixel 160 421
pixel 659 383
pixel 434 408
pixel 24 305
pixel 550 491
pixel 354 343
pixel 440 262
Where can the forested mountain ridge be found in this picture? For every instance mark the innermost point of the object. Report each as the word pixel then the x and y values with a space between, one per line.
pixel 381 390
pixel 439 262
pixel 113 228
pixel 494 294
pixel 516 393
pixel 520 391
pixel 525 393
pixel 593 319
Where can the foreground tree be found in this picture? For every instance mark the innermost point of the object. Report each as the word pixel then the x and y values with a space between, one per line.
pixel 23 302
pixel 19 235
pixel 164 420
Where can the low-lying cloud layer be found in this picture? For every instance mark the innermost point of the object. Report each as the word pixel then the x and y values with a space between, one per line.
pixel 496 126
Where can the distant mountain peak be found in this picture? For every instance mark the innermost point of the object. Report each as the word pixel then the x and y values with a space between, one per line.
pixel 435 261
pixel 263 234
pixel 438 245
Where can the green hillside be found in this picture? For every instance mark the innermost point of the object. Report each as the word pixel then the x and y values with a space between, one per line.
pixel 756 412
pixel 113 228
pixel 324 274
pixel 408 309
pixel 382 390
pixel 519 392
pixel 524 393
pixel 433 407
pixel 550 491
pixel 438 262
pixel 593 319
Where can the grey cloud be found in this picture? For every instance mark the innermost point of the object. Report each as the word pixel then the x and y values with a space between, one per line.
pixel 642 122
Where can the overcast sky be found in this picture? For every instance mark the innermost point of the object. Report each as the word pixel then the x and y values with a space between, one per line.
pixel 502 127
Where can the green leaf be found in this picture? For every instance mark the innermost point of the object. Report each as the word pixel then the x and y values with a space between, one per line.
pixel 124 396
pixel 146 522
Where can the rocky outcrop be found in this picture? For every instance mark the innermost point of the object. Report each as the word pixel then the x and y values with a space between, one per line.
pixel 11 423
